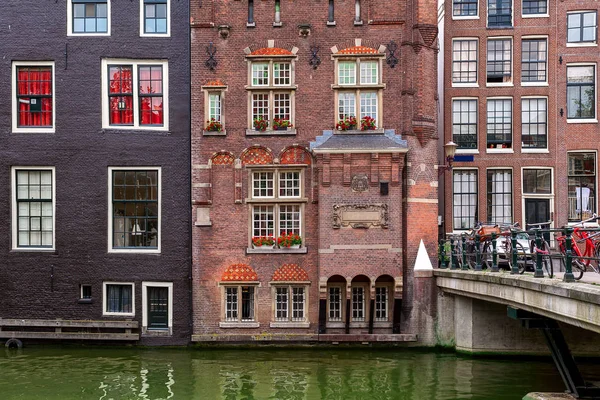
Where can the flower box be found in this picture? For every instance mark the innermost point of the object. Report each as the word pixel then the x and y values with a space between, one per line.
pixel 289 240
pixel 263 242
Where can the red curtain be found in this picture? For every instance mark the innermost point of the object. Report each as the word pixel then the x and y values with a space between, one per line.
pixel 151 107
pixel 34 85
pixel 121 91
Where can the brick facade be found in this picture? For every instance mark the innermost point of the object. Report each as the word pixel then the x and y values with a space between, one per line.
pixel 339 174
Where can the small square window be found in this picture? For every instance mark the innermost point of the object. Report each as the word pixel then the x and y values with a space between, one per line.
pixel 154 16
pixel 260 74
pixel 88 17
pixel 262 184
pixel 581 27
pixel 282 74
pixel 86 292
pixel 368 72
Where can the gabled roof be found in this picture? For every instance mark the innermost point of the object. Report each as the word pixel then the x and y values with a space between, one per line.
pixel 358 50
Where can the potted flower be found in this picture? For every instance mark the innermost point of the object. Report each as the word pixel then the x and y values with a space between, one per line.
pixel 280 124
pixel 261 124
pixel 289 240
pixel 347 123
pixel 367 123
pixel 214 125
pixel 266 242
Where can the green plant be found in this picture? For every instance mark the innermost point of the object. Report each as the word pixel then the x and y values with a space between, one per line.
pixel 346 123
pixel 258 241
pixel 261 124
pixel 281 123
pixel 288 240
pixel 214 125
pixel 367 123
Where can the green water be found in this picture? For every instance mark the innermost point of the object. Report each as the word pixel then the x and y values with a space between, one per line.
pixel 128 373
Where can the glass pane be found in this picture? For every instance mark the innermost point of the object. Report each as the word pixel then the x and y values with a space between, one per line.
pixel 79 25
pixel 161 25
pixel 150 11
pixel 101 10
pixel 161 11
pixel 23 238
pixel 150 26
pixel 90 10
pixel 79 10
pixel 102 25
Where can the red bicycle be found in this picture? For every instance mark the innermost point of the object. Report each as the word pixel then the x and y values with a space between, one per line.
pixel 581 260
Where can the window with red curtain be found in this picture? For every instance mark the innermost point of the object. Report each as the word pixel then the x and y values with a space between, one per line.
pixel 34 96
pixel 120 96
pixel 151 95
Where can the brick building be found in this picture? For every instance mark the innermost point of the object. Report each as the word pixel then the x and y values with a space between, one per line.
pixel 520 101
pixel 275 151
pixel 96 171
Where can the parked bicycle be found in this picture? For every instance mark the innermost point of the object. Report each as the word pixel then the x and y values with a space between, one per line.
pixel 581 260
pixel 543 249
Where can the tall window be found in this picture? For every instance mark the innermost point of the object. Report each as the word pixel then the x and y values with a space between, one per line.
pixel 155 17
pixel 581 92
pixel 136 95
pixel 464 198
pixel 464 8
pixel 34 208
pixel 535 7
pixel 464 61
pixel 381 303
pixel 533 60
pixel 581 169
pixel 89 16
pixel 135 209
pixel 499 13
pixel 499 64
pixel 499 123
pixel 358 303
pixel 499 196
pixel 34 96
pixel 214 104
pixel 118 298
pixel 239 303
pixel 250 13
pixel 335 298
pixel 272 212
pixel 290 303
pixel 534 118
pixel 330 13
pixel 581 27
pixel 464 123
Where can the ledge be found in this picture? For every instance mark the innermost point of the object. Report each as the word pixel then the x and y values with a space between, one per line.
pixel 271 132
pixel 214 133
pixel 239 324
pixel 290 325
pixel 301 250
pixel 378 131
pixel 307 337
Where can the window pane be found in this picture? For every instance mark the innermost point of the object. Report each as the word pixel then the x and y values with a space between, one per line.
pixel 358 303
pixel 534 123
pixel 263 221
pixel 298 304
pixel 289 184
pixel 119 298
pixel 282 74
pixel 537 181
pixel 35 208
pixel 281 304
pixel 34 96
pixel 499 68
pixel 581 169
pixel 260 74
pixel 581 96
pixel 368 72
pixel 346 105
pixel 347 73
pixel 499 123
pixel 464 123
pixel 247 303
pixel 499 196
pixel 289 219
pixel 368 105
pixel 381 304
pixel 464 198
pixel 262 184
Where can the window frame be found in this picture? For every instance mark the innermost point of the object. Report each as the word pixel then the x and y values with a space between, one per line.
pixel 462 217
pixel 15 212
pixel 365 303
pixel 487 63
pixel 534 83
pixel 14 94
pixel 595 181
pixel 238 322
pixel 534 15
pixel 289 322
pixel 143 20
pixel 594 119
pixel 389 287
pixel 535 194
pixel 490 194
pixel 460 16
pixel 145 311
pixel 533 149
pixel 501 123
pixel 208 92
pixel 342 288
pixel 70 16
pixel 105 299
pixel 581 43
pixel 147 250
pixel 135 64
pixel 512 16
pixel 466 99
pixel 469 61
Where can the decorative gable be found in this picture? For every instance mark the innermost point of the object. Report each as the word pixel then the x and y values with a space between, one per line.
pixel 239 273
pixel 290 273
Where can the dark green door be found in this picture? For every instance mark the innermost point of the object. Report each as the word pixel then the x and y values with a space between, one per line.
pixel 158 307
pixel 538 210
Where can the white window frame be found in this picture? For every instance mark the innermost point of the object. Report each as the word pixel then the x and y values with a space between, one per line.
pixel 512 61
pixel 70 21
pixel 342 288
pixel 389 287
pixel 477 200
pixel 512 191
pixel 512 125
pixel 145 286
pixel 548 196
pixel 15 216
pixel 583 120
pixel 289 321
pixel 535 150
pixel 143 22
pixel 239 323
pixel 214 91
pixel 580 44
pixel 365 303
pixel 273 188
pixel 104 299
pixel 15 106
pixel 466 84
pixel 110 211
pixel 545 83
pixel 476 100
pixel 136 112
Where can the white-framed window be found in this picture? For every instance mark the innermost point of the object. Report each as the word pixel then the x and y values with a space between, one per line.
pixel 239 303
pixel 135 94
pixel 383 296
pixel 369 73
pixel 88 17
pixel 274 211
pixel 358 303
pixel 499 123
pixel 134 195
pixel 464 198
pixel 581 181
pixel 290 303
pixel 33 208
pixel 499 196
pixel 214 106
pixel 33 97
pixel 534 60
pixel 336 295
pixel 499 61
pixel 464 123
pixel 582 27
pixel 118 298
pixel 534 8
pixel 534 123
pixel 346 73
pixel 157 307
pixel 155 17
pixel 465 9
pixel 271 95
pixel 581 92
pixel 464 61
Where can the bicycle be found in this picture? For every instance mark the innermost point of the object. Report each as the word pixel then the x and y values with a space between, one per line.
pixel 543 250
pixel 580 261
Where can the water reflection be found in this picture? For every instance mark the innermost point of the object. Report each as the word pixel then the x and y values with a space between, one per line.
pixel 124 373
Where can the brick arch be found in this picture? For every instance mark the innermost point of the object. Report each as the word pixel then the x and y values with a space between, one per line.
pixel 257 155
pixel 271 51
pixel 358 47
pixel 222 158
pixel 295 155
pixel 272 48
pixel 239 273
pixel 290 273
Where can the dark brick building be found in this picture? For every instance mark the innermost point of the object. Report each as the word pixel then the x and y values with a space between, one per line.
pixel 275 152
pixel 95 163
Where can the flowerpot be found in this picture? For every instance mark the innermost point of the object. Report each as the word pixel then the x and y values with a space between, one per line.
pixel 264 246
pixel 295 246
pixel 280 128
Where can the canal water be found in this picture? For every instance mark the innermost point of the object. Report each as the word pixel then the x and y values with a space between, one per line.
pixel 131 373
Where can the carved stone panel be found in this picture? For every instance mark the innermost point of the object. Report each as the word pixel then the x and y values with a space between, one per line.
pixel 360 183
pixel 360 215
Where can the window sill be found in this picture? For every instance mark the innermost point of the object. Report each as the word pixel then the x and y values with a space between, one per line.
pixel 357 87
pixel 33 250
pixel 358 23
pixel 507 84
pixel 330 23
pixel 467 151
pixel 250 24
pixel 115 314
pixel 289 325
pixel 582 44
pixel 465 85
pixel 466 17
pixel 538 84
pixel 270 200
pixel 382 324
pixel 535 151
pixel 377 131
pixel 500 27
pixel 239 325
pixel 87 34
pixel 499 151
pixel 214 133
pixel 535 15
pixel 301 250
pixel 582 121
pixel 277 24
pixel 271 132
pixel 85 301
pixel 134 251
pixel 128 129
pixel 282 88
pixel 34 130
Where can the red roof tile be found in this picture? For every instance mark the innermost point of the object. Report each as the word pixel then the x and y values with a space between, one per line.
pixel 271 51
pixel 290 273
pixel 358 50
pixel 239 272
pixel 216 82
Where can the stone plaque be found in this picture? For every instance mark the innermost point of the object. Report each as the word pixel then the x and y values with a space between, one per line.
pixel 360 183
pixel 360 215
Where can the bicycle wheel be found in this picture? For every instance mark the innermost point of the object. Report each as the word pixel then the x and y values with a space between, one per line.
pixel 486 256
pixel 577 267
pixel 521 257
pixel 546 260
pixel 471 257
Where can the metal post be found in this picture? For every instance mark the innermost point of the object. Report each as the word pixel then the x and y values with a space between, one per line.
pixel 453 260
pixel 513 239
pixel 477 248
pixel 569 260
pixel 494 253
pixel 442 254
pixel 464 253
pixel 539 272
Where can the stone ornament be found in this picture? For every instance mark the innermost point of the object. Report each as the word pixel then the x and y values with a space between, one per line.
pixel 360 183
pixel 360 216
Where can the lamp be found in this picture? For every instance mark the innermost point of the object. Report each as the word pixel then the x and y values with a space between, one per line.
pixel 449 151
